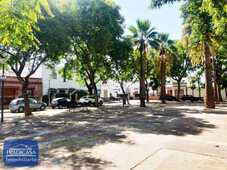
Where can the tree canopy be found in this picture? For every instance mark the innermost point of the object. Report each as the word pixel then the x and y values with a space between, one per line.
pixel 19 20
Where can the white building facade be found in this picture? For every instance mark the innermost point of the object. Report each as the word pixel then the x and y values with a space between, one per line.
pixel 112 88
pixel 55 82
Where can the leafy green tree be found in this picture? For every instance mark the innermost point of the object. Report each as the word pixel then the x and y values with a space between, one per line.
pixel 198 78
pixel 208 18
pixel 180 65
pixel 166 47
pixel 221 69
pixel 143 36
pixel 192 84
pixel 74 69
pixel 155 82
pixel 160 3
pixel 200 41
pixel 52 44
pixel 223 83
pixel 216 8
pixel 148 67
pixel 19 20
pixel 95 24
pixel 218 12
pixel 121 62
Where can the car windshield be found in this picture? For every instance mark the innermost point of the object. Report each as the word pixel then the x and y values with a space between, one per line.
pixel 14 101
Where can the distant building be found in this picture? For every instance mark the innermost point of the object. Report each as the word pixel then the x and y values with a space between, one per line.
pixel 55 83
pixel 53 80
pixel 112 88
pixel 13 88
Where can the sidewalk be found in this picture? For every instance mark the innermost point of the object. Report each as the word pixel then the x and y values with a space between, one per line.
pixel 172 136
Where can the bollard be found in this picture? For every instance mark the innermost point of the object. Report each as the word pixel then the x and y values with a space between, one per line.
pixel 124 102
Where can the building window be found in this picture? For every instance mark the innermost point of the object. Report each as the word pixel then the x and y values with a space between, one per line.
pixel 29 92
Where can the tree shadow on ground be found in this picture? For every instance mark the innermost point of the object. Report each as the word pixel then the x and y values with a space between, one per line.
pixel 66 139
pixel 159 121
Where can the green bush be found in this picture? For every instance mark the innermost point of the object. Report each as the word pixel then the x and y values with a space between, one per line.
pixel 80 93
pixel 62 95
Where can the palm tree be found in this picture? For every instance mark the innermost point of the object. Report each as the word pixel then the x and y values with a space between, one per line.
pixel 165 48
pixel 143 36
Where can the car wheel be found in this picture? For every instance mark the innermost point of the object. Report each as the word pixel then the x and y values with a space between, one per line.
pixel 21 109
pixel 53 107
pixel 89 103
pixel 60 106
pixel 42 108
pixel 13 111
pixel 101 102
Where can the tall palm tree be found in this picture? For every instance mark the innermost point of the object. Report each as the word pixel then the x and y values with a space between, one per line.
pixel 165 48
pixel 143 36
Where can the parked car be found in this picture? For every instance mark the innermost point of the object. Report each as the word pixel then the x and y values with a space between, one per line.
pixel 89 100
pixel 18 105
pixel 62 102
pixel 114 98
pixel 191 98
pixel 169 97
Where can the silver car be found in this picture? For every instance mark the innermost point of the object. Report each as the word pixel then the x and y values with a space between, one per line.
pixel 18 105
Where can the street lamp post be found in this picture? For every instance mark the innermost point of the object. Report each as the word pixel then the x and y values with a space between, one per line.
pixel 3 60
pixel 49 95
pixel 49 92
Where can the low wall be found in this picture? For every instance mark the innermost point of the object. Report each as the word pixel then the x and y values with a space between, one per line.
pixel 106 99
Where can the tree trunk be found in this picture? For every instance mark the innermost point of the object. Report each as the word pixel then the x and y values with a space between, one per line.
pixel 209 92
pixel 94 86
pixel 89 87
pixel 215 80
pixel 219 92
pixel 147 90
pixel 96 95
pixel 27 110
pixel 123 90
pixel 199 89
pixel 92 80
pixel 163 80
pixel 142 78
pixel 226 93
pixel 90 91
pixel 178 91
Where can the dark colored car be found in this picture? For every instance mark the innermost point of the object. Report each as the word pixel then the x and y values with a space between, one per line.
pixel 62 102
pixel 191 98
pixel 114 98
pixel 169 97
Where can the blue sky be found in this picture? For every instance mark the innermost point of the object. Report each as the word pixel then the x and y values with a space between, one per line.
pixel 166 19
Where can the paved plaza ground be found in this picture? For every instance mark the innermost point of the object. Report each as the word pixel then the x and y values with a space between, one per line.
pixel 173 136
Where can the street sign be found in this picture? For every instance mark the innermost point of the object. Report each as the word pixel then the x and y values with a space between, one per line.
pixel 3 77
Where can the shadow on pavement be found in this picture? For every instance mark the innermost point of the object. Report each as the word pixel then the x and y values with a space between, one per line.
pixel 65 139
